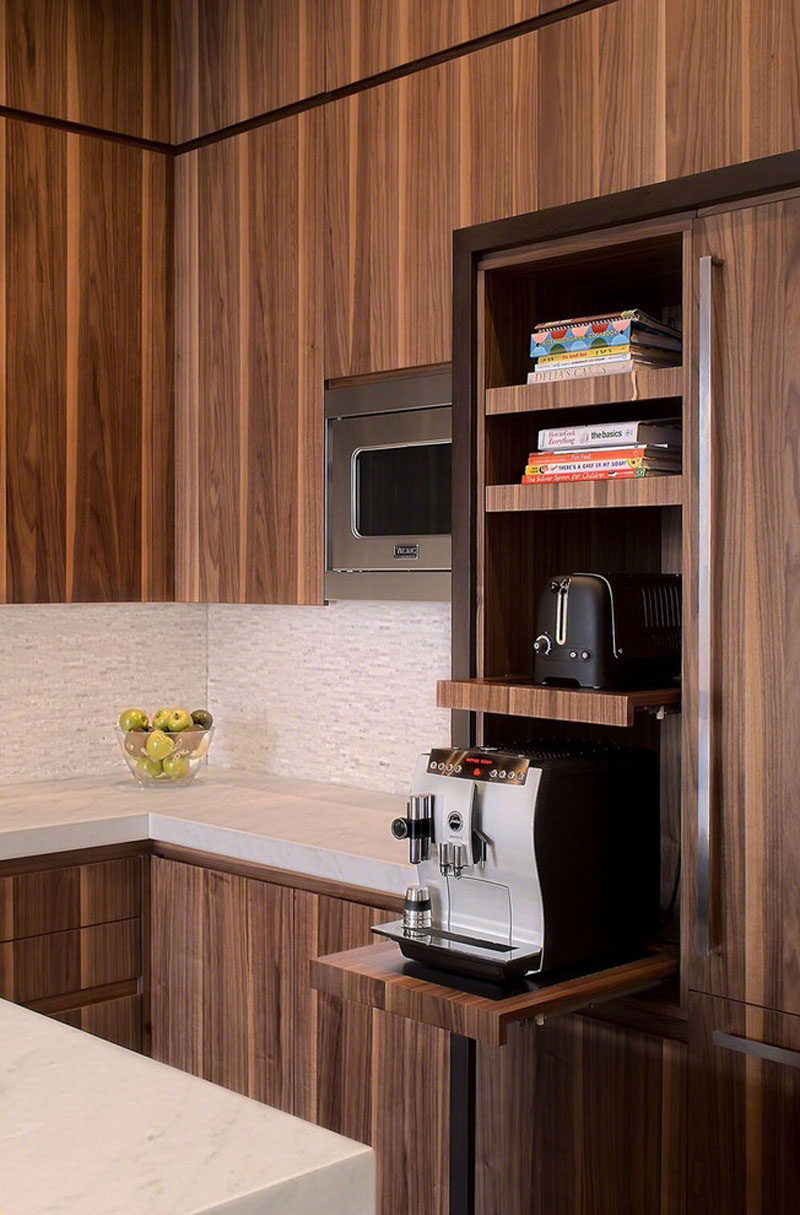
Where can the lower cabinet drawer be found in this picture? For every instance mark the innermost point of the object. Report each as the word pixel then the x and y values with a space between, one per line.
pixel 118 1021
pixel 54 900
pixel 61 962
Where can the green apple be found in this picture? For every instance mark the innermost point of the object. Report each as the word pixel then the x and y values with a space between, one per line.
pixel 158 745
pixel 160 719
pixel 203 719
pixel 176 767
pixel 148 767
pixel 133 719
pixel 178 720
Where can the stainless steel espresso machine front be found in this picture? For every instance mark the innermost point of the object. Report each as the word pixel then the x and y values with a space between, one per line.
pixel 528 863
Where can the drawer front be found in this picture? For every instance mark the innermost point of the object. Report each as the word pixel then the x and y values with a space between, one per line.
pixel 62 962
pixel 54 900
pixel 744 1097
pixel 118 1021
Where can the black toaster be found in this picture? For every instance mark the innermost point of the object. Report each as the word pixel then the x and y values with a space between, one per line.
pixel 609 631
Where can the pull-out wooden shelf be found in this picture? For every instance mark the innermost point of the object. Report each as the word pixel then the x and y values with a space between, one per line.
pixel 380 977
pixel 645 384
pixel 520 699
pixel 582 495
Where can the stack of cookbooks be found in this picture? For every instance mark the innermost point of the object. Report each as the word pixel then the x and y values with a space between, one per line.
pixel 607 451
pixel 602 345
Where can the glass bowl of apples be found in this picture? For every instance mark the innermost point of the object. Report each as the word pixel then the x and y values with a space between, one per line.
pixel 166 750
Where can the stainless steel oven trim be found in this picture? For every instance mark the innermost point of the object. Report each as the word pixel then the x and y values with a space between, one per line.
pixel 421 586
pixel 384 396
pixel 346 551
pixel 354 479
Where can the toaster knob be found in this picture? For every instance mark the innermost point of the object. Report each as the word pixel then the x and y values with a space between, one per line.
pixel 542 644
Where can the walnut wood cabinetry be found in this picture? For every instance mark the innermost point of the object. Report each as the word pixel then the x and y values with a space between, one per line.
pixel 86 424
pixel 731 524
pixel 364 37
pixel 607 67
pixel 744 1094
pixel 333 1038
pixel 330 228
pixel 281 51
pixel 411 1116
pixel 118 1021
pixel 732 77
pixel 236 59
pixel 222 979
pixel 753 608
pixel 406 163
pixel 232 1002
pixel 104 63
pixel 249 367
pixel 71 943
pixel 496 132
pixel 593 1121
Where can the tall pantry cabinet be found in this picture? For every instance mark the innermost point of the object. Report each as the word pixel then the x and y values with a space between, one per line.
pixel 743 821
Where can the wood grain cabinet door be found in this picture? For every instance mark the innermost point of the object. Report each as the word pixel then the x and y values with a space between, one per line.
pixel 606 66
pixel 406 163
pixel 578 1117
pixel 732 77
pixel 249 376
pixel 221 979
pixel 377 1078
pixel 390 211
pixel 86 400
pixel 332 1037
pixel 744 1098
pixel 749 497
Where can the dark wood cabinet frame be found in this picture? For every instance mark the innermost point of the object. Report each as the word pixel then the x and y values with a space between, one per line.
pixel 719 187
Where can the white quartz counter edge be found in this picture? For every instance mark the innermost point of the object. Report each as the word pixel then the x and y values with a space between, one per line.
pixel 321 832
pixel 312 860
pixel 87 1128
pixel 320 860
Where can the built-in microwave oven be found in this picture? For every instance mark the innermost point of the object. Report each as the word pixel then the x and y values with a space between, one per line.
pixel 388 491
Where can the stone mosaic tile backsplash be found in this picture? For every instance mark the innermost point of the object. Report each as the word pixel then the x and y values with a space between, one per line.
pixel 344 693
pixel 66 672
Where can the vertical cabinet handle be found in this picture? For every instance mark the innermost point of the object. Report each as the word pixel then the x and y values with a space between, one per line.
pixel 705 926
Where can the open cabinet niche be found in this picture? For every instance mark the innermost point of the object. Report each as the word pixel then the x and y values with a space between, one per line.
pixel 524 289
pixel 527 534
pixel 522 552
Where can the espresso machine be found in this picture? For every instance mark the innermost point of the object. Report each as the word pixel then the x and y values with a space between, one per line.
pixel 528 863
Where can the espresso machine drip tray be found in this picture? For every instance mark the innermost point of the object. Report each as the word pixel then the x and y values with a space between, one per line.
pixel 481 959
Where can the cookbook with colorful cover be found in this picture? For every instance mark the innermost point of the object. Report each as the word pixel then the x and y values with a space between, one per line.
pixel 612 464
pixel 585 333
pixel 608 434
pixel 592 367
pixel 657 455
pixel 623 474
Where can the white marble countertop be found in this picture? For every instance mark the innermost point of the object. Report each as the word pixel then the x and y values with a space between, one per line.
pixel 322 830
pixel 87 1128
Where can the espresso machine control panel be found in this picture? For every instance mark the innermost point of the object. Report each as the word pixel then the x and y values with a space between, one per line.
pixel 479 765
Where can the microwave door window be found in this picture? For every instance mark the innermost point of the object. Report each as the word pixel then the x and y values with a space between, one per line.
pixel 402 490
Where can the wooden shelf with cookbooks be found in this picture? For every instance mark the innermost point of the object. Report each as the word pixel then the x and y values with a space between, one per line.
pixel 581 417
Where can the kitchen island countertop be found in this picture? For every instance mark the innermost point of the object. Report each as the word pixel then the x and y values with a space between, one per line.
pixel 320 830
pixel 87 1128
